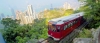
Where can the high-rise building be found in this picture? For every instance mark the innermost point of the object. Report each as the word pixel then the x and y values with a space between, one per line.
pixel 27 16
pixel 13 13
pixel 19 16
pixel 40 15
pixel 45 9
pixel 2 16
pixel 34 15
pixel 7 16
pixel 30 13
pixel 10 16
pixel 66 6
pixel 30 10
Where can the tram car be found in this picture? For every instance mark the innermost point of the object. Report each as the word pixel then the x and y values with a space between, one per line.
pixel 59 28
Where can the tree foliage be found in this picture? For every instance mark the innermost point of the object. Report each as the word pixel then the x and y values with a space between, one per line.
pixel 92 8
pixel 8 22
pixel 85 33
pixel 68 12
pixel 23 33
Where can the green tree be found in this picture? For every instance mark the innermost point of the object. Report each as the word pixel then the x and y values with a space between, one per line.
pixel 76 11
pixel 8 22
pixel 18 34
pixel 92 8
pixel 68 12
pixel 40 28
pixel 22 33
pixel 85 33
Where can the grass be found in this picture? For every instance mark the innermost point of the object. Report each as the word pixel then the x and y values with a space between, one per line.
pixel 85 33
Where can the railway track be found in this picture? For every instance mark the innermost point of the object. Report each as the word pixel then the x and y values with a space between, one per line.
pixel 70 37
pixel 48 40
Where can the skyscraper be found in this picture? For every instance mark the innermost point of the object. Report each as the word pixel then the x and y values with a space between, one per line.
pixel 2 16
pixel 17 15
pixel 30 13
pixel 27 16
pixel 20 16
pixel 34 15
pixel 7 16
pixel 13 13
pixel 66 6
pixel 30 10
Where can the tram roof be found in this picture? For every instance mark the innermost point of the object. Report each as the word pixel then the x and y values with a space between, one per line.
pixel 66 18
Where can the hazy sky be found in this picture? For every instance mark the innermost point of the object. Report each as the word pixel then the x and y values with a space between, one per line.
pixel 38 5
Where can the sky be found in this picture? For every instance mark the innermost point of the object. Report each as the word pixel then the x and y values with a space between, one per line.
pixel 38 5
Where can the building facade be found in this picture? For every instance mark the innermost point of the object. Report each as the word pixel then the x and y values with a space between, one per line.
pixel 27 16
pixel 66 6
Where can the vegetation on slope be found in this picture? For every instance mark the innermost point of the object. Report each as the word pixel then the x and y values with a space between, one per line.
pixel 85 33
pixel 92 8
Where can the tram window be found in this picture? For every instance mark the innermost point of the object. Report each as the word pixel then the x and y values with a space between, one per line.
pixel 69 25
pixel 65 27
pixel 52 27
pixel 74 22
pixel 58 28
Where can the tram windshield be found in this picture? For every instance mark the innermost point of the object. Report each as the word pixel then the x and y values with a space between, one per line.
pixel 52 27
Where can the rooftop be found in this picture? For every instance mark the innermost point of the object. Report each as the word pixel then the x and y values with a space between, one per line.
pixel 66 18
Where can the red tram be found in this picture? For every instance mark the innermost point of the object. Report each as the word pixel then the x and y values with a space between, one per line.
pixel 59 28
